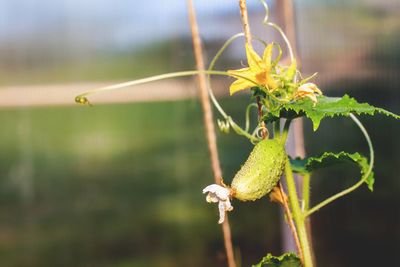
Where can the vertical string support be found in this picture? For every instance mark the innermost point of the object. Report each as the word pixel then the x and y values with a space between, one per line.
pixel 247 35
pixel 209 125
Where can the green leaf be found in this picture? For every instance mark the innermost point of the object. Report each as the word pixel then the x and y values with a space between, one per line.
pixel 328 159
pixel 326 107
pixel 285 260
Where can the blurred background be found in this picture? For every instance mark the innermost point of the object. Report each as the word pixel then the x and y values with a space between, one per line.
pixel 119 184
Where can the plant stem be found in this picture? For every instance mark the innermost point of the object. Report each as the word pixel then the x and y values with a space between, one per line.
pixel 264 131
pixel 277 129
pixel 161 77
pixel 298 216
pixel 247 125
pixel 285 132
pixel 306 192
pixel 306 180
pixel 209 125
pixel 290 219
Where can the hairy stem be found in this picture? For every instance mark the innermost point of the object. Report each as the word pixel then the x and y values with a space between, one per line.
pixel 277 129
pixel 285 132
pixel 209 125
pixel 306 192
pixel 289 219
pixel 298 216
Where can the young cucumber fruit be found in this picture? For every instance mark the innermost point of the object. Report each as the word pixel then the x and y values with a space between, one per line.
pixel 261 171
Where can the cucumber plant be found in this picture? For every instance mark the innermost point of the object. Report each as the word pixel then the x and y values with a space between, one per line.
pixel 282 95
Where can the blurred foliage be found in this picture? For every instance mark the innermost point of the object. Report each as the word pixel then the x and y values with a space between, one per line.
pixel 166 56
pixel 117 186
pixel 388 46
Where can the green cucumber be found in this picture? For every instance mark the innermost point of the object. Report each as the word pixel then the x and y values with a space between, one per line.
pixel 261 171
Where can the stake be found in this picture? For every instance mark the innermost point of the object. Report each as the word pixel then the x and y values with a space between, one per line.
pixel 209 125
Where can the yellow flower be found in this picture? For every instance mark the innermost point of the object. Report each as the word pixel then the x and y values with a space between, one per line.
pixel 309 90
pixel 258 72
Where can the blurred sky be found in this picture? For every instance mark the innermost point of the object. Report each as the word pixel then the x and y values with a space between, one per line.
pixel 122 22
pixel 37 34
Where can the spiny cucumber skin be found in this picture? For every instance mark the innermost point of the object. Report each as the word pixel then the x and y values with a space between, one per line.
pixel 261 171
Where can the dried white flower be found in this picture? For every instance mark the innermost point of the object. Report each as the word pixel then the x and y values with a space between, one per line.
pixel 220 194
pixel 309 90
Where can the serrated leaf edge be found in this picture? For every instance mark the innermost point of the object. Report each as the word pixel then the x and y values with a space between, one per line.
pixel 269 259
pixel 356 157
pixel 363 109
